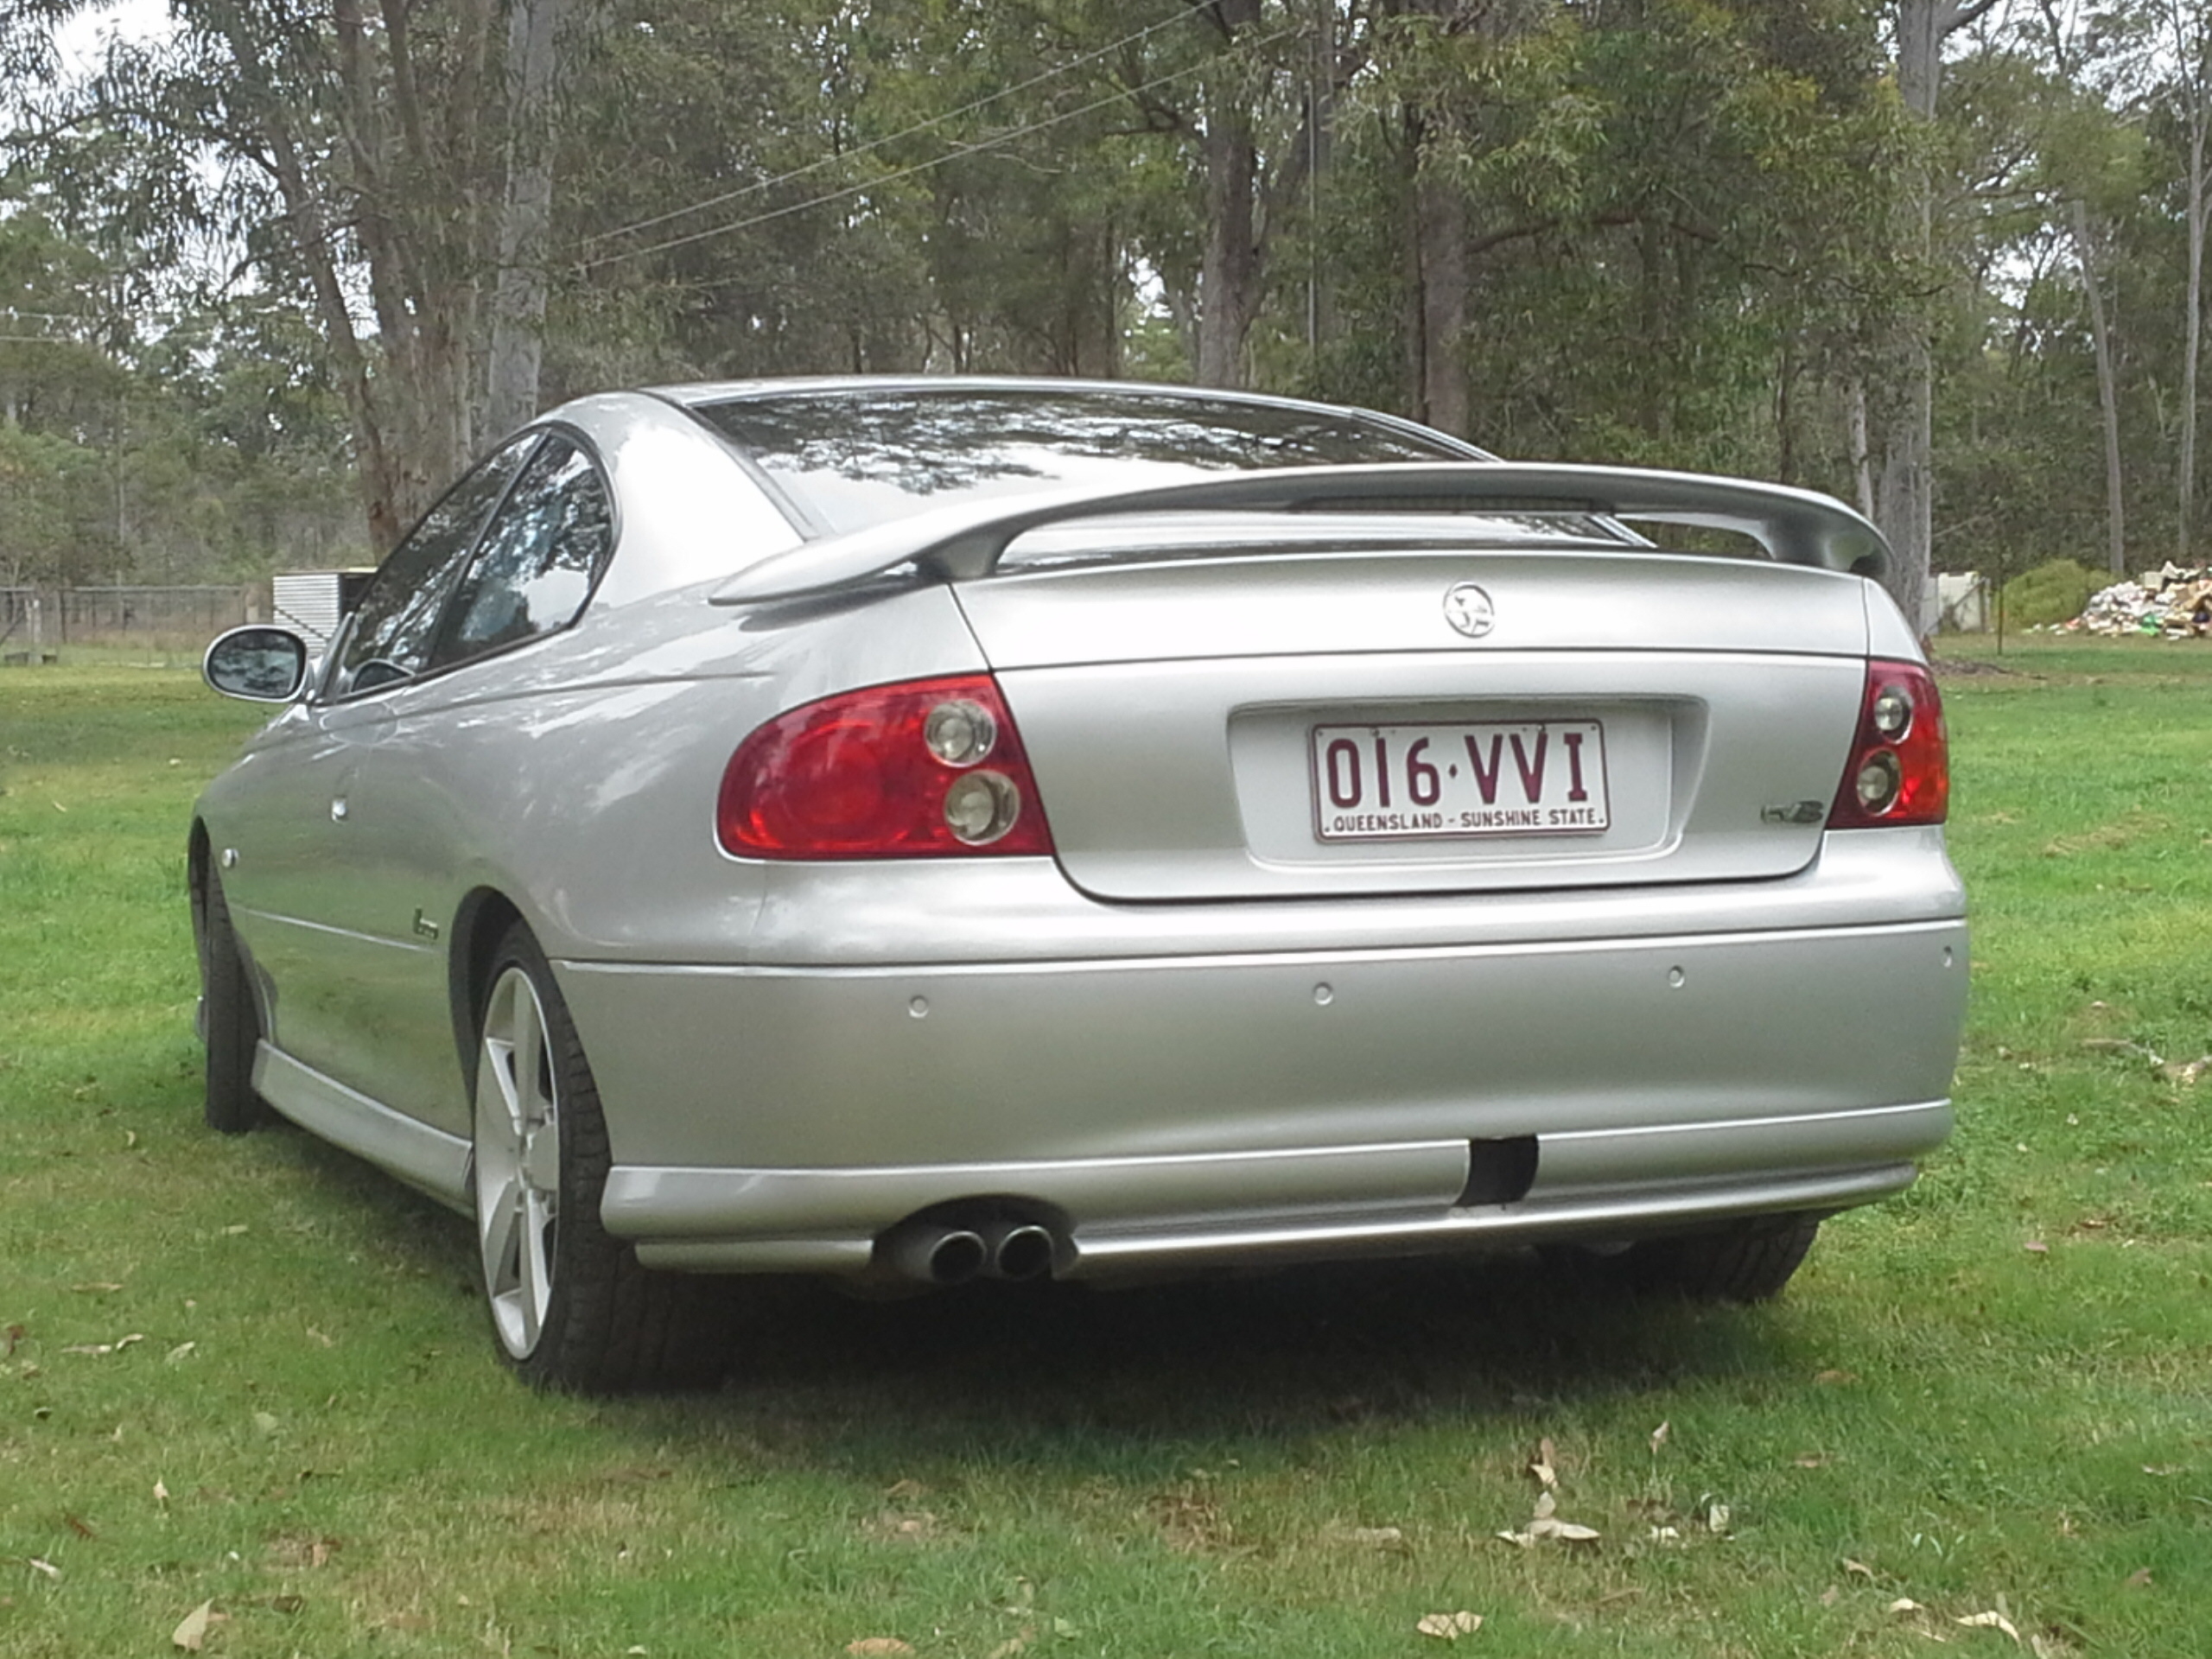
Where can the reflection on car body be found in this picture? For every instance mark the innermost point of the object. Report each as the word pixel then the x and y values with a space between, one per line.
pixel 950 827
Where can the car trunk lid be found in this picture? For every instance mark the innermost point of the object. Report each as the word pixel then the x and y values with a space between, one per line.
pixel 1314 722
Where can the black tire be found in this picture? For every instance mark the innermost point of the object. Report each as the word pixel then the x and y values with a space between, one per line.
pixel 570 1306
pixel 233 1021
pixel 1747 1261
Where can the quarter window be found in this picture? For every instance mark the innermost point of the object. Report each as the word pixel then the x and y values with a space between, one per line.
pixel 537 564
pixel 397 619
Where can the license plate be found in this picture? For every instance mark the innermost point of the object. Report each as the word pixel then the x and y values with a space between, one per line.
pixel 1503 777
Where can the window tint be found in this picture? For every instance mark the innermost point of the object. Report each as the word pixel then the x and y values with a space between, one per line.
pixel 390 636
pixel 535 566
pixel 854 459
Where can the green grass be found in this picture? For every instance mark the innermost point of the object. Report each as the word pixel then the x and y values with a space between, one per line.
pixel 1994 1395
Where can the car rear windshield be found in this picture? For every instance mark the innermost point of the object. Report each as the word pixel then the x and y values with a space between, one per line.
pixel 853 459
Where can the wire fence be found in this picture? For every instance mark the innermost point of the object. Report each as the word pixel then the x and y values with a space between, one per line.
pixel 37 622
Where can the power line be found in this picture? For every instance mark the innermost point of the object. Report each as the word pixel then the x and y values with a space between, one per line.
pixel 953 155
pixel 755 188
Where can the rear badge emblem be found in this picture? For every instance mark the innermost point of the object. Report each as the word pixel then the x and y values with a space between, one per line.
pixel 1467 608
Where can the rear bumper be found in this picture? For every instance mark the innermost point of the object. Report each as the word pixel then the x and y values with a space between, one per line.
pixel 1209 1109
pixel 1134 1214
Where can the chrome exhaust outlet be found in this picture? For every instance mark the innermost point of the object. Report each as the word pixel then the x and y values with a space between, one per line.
pixel 933 1254
pixel 1017 1249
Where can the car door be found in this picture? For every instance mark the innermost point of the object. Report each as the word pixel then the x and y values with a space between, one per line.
pixel 445 790
pixel 303 893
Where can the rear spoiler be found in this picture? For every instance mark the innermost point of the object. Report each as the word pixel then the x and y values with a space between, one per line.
pixel 965 541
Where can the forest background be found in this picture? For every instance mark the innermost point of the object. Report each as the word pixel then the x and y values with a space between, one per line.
pixel 272 275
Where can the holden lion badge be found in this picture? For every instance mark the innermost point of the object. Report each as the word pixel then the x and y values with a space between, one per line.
pixel 1467 608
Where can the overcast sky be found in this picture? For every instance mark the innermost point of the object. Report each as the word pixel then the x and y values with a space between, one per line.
pixel 79 38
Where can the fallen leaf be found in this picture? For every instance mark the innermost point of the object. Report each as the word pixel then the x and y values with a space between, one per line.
pixel 898 1492
pixel 234 1230
pixel 877 1645
pixel 1545 1468
pixel 183 1350
pixel 1811 1460
pixel 1716 1518
pixel 1830 1596
pixel 192 1634
pixel 1448 1627
pixel 1902 1605
pixel 1859 1568
pixel 1066 1628
pixel 161 1491
pixel 2036 1246
pixel 2162 1469
pixel 9 1339
pixel 1660 1434
pixel 1990 1621
pixel 265 1421
pixel 79 1525
pixel 2138 1580
pixel 38 1565
pixel 316 1336
pixel 1829 1379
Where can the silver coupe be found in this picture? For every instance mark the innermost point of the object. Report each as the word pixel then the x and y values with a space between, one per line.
pixel 917 830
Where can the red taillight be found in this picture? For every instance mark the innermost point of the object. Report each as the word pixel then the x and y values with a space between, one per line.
pixel 913 771
pixel 1900 770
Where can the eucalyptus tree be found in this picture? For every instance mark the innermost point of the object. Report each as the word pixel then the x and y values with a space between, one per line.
pixel 2187 28
pixel 376 162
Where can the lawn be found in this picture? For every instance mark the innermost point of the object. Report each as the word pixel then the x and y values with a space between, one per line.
pixel 248 1381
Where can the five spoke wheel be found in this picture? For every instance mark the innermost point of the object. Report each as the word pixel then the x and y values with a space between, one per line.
pixel 518 1162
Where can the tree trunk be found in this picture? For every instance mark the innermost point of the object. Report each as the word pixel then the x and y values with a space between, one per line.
pixel 2109 398
pixel 2193 82
pixel 1862 465
pixel 1904 498
pixel 519 297
pixel 1904 409
pixel 1903 412
pixel 1440 246
pixel 1228 277
pixel 311 239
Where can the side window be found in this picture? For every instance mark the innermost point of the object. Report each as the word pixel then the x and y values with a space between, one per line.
pixel 537 564
pixel 390 639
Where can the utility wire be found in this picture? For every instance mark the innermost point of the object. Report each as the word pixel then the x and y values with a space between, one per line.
pixel 980 146
pixel 754 189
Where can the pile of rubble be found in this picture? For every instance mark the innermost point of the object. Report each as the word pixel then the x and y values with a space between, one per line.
pixel 2175 602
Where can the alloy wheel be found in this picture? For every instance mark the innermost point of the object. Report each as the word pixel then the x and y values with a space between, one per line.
pixel 518 1162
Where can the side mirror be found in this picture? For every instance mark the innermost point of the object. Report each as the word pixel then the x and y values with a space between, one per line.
pixel 259 665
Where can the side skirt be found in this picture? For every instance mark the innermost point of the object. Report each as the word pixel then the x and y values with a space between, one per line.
pixel 429 1159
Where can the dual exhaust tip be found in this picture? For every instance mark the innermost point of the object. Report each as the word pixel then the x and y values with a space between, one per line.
pixel 952 1250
